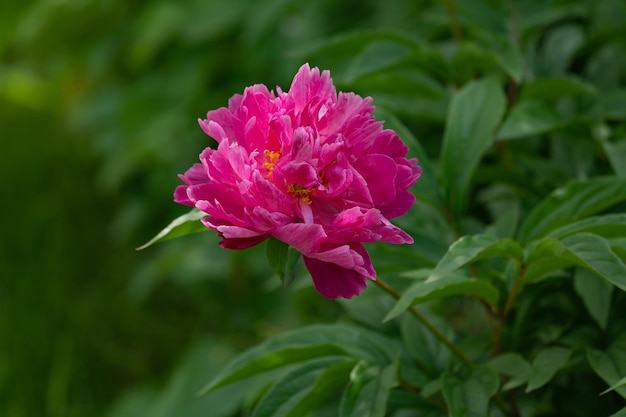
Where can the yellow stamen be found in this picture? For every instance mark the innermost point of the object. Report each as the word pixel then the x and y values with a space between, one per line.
pixel 299 191
pixel 270 161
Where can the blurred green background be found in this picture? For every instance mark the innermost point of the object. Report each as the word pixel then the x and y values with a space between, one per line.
pixel 98 109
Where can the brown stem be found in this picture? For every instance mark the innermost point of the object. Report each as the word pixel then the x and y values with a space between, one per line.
pixel 435 332
pixel 454 22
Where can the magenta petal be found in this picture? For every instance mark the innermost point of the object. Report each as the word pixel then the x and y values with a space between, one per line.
pixel 306 238
pixel 333 281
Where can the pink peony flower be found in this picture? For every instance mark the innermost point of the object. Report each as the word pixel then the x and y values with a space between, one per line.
pixel 308 167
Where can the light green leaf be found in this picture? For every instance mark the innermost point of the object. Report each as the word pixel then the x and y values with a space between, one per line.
pixel 305 344
pixel 181 226
pixel 470 249
pixel 529 118
pixel 455 284
pixel 368 391
pixel 610 365
pixel 573 202
pixel 596 295
pixel 474 113
pixel 304 388
pixel 545 366
pixel 470 398
pixel 284 259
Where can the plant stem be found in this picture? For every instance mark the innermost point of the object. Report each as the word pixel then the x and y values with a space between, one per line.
pixel 454 22
pixel 435 332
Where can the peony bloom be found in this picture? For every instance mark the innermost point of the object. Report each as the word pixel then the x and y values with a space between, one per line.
pixel 308 167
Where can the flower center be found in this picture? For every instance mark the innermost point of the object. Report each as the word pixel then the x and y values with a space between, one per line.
pixel 271 158
pixel 299 191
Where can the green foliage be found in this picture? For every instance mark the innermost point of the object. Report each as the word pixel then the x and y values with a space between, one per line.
pixel 509 303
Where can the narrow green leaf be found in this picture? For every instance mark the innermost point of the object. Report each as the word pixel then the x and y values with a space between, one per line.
pixel 304 388
pixel 545 366
pixel 368 391
pixel 573 202
pixel 470 398
pixel 305 344
pixel 474 113
pixel 618 384
pixel 455 284
pixel 610 365
pixel 529 118
pixel 284 260
pixel 596 295
pixel 470 249
pixel 180 226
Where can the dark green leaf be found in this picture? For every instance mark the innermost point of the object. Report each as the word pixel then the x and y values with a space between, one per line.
pixel 620 413
pixel 596 295
pixel 368 391
pixel 607 226
pixel 284 260
pixel 618 384
pixel 305 344
pixel 451 284
pixel 549 89
pixel 181 226
pixel 575 201
pixel 545 366
pixel 529 118
pixel 513 365
pixel 470 398
pixel 610 365
pixel 304 388
pixel 474 114
pixel 430 354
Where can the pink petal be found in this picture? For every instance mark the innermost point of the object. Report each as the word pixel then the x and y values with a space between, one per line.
pixel 306 238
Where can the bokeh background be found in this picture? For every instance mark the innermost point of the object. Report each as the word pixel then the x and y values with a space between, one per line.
pixel 98 108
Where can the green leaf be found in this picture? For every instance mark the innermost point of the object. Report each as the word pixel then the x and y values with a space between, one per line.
pixel 595 254
pixel 586 250
pixel 368 391
pixel 545 366
pixel 305 344
pixel 180 226
pixel 474 113
pixel 470 398
pixel 620 413
pixel 513 365
pixel 284 259
pixel 610 365
pixel 573 202
pixel 305 388
pixel 455 284
pixel 550 89
pixel 468 249
pixel 607 226
pixel 618 384
pixel 596 295
pixel 529 118
pixel 427 351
